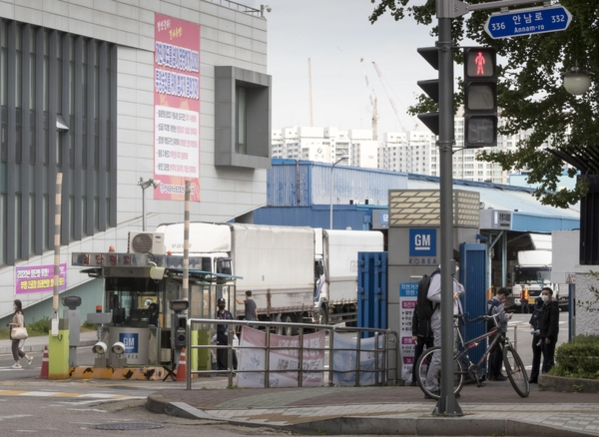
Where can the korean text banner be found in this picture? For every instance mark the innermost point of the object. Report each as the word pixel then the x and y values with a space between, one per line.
pixel 176 107
pixel 39 279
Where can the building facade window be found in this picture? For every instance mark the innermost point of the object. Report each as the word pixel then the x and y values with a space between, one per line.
pixel 57 114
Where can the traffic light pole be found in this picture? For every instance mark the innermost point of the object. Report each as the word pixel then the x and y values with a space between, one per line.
pixel 446 11
pixel 447 404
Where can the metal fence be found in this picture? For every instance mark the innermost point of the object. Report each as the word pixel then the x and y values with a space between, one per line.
pixel 385 350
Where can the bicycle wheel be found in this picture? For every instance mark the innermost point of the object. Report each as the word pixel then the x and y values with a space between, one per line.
pixel 422 367
pixel 515 371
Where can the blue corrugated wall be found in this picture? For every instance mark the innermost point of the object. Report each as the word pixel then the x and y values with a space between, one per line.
pixel 304 183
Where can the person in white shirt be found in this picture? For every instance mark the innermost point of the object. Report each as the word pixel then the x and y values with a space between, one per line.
pixel 434 295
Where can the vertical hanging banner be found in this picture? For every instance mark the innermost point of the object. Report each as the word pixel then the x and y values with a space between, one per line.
pixel 176 107
pixel 408 298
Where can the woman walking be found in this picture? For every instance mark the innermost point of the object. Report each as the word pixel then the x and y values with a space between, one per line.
pixel 18 321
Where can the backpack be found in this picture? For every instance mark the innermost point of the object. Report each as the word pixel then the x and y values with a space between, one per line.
pixel 425 307
pixel 491 305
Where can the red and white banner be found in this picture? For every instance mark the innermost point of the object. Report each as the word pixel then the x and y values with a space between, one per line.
pixel 176 107
pixel 280 359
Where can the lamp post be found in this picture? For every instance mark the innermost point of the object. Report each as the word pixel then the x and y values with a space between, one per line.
pixel 145 184
pixel 578 81
pixel 343 158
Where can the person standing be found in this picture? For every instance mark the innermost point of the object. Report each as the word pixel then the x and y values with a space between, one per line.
pixel 524 301
pixel 222 337
pixel 18 321
pixel 249 305
pixel 496 307
pixel 434 295
pixel 536 341
pixel 548 328
pixel 423 336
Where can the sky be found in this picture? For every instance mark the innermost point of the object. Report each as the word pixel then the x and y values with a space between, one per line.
pixel 342 45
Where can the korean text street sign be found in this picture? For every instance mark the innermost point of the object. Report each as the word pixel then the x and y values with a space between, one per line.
pixel 528 22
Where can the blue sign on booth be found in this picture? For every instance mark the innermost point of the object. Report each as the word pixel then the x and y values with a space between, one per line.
pixel 423 242
pixel 528 21
pixel 130 340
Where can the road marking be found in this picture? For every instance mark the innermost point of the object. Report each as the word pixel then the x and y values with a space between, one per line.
pixel 52 394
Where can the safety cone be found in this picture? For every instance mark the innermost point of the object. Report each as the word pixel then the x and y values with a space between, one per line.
pixel 44 372
pixel 182 368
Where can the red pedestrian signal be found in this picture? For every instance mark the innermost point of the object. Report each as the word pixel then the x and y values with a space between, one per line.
pixel 480 97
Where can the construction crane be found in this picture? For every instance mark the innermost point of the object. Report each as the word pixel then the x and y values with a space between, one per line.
pixel 373 105
pixel 380 75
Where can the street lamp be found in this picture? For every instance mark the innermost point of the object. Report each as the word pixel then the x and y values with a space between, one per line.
pixel 577 81
pixel 343 158
pixel 146 184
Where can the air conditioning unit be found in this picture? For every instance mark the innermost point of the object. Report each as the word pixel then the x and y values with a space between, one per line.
pixel 146 242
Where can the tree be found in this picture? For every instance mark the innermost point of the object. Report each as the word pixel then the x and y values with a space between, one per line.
pixel 531 95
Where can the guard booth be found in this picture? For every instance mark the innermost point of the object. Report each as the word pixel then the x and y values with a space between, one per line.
pixel 138 288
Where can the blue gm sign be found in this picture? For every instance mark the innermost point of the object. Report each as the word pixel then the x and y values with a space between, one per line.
pixel 423 242
pixel 130 341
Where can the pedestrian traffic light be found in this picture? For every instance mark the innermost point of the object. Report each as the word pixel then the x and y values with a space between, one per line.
pixel 430 87
pixel 480 97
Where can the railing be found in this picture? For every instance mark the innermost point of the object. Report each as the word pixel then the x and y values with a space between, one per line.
pixel 385 350
pixel 237 6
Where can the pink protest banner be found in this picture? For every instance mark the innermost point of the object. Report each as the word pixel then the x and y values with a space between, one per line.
pixel 176 107
pixel 39 279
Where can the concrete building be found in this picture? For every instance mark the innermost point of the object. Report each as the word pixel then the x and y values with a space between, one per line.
pixel 120 96
pixel 410 152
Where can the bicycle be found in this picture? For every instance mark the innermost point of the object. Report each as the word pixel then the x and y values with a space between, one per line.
pixel 463 367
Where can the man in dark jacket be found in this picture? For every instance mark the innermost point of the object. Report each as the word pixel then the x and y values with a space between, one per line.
pixel 536 341
pixel 548 328
pixel 422 334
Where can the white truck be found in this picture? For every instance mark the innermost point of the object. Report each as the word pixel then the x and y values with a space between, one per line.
pixel 296 274
pixel 532 272
pixel 275 262
pixel 336 258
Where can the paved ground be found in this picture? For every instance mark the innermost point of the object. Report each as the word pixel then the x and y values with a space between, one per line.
pixel 495 409
pixel 491 410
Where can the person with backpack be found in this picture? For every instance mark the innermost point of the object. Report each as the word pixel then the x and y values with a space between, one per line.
pixel 433 303
pixel 536 341
pixel 496 307
pixel 422 336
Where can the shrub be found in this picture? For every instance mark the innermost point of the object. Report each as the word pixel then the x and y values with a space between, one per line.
pixel 578 359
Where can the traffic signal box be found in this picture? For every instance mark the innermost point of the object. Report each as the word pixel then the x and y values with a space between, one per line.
pixel 430 87
pixel 480 97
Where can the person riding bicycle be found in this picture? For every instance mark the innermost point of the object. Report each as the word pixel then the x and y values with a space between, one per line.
pixel 496 307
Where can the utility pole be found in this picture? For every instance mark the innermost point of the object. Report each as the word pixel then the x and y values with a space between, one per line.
pixel 447 10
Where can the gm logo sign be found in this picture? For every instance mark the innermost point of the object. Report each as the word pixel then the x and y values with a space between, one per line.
pixel 423 242
pixel 130 341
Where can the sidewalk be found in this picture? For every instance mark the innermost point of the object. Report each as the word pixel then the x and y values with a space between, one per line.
pixel 495 409
pixel 36 344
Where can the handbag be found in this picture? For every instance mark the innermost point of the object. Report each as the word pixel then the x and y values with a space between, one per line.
pixel 19 333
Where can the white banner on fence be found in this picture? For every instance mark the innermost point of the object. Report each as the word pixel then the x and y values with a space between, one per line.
pixel 344 361
pixel 280 359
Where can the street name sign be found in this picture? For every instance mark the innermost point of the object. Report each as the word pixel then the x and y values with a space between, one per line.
pixel 528 22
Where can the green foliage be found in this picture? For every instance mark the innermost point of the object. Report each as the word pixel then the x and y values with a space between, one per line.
pixel 530 90
pixel 578 359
